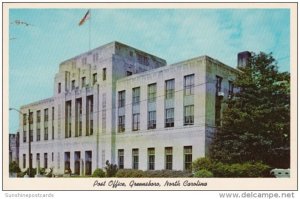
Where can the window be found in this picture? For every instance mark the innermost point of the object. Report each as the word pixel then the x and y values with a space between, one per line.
pixel 38 159
pixel 230 89
pixel 78 117
pixel 52 123
pixel 151 119
pixel 83 83
pixel 135 158
pixel 94 78
pixel 152 92
pixel 136 95
pixel 52 157
pixel 131 53
pixel 121 99
pixel 169 158
pixel 31 126
pixel 67 161
pixel 45 160
pixel 24 127
pixel 73 84
pixel 121 158
pixel 59 87
pixel 90 109
pixel 24 161
pixel 38 125
pixel 46 124
pixel 170 89
pixel 68 113
pixel 189 115
pixel 135 121
pixel 104 74
pixel 151 158
pixel 88 162
pixel 218 84
pixel 188 158
pixel 169 117
pixel 128 73
pixel 189 85
pixel 121 123
pixel 142 59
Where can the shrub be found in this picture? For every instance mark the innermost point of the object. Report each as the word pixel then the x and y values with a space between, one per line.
pixel 14 167
pixel 98 173
pixel 167 174
pixel 203 173
pixel 128 173
pixel 111 169
pixel 202 163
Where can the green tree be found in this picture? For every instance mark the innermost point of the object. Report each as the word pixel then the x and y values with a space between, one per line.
pixel 14 167
pixel 256 122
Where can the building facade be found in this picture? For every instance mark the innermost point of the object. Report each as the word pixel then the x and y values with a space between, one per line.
pixel 124 105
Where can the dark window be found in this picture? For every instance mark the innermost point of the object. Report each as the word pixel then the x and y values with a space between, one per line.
pixel 89 118
pixel 189 115
pixel 104 74
pixel 151 119
pixel 188 158
pixel 170 89
pixel 68 121
pixel 88 162
pixel 128 73
pixel 169 158
pixel 121 123
pixel 94 78
pixel 52 123
pixel 121 158
pixel 169 117
pixel 151 158
pixel 136 95
pixel 38 125
pixel 83 82
pixel 67 161
pixel 59 87
pixel 152 92
pixel 78 125
pixel 121 99
pixel 31 126
pixel 135 158
pixel 24 161
pixel 135 121
pixel 189 85
pixel 219 84
pixel 45 160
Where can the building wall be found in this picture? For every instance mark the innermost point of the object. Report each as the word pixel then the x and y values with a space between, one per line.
pixel 102 73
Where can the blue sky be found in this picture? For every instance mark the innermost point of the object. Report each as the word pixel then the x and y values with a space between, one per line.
pixel 172 34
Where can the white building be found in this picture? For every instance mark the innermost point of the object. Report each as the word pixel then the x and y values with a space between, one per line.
pixel 120 104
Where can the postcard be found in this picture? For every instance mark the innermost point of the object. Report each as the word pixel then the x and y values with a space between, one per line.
pixel 150 96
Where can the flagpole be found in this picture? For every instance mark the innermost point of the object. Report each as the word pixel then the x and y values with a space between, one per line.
pixel 90 29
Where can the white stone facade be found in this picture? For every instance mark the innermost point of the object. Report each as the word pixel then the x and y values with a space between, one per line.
pixel 97 92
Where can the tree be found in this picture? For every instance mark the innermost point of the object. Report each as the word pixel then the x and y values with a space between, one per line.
pixel 14 167
pixel 256 122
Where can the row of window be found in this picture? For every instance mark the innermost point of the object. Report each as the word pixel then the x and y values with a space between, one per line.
pixel 168 158
pixel 152 90
pixel 83 81
pixel 38 126
pixel 38 160
pixel 169 112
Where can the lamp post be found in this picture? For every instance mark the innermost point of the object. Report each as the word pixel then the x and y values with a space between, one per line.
pixel 29 140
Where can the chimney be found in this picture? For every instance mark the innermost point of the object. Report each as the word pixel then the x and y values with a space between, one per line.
pixel 243 59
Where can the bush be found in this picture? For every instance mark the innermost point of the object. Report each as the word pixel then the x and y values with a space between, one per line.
pixel 128 173
pixel 219 169
pixel 203 173
pixel 202 163
pixel 167 174
pixel 111 169
pixel 98 173
pixel 14 167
